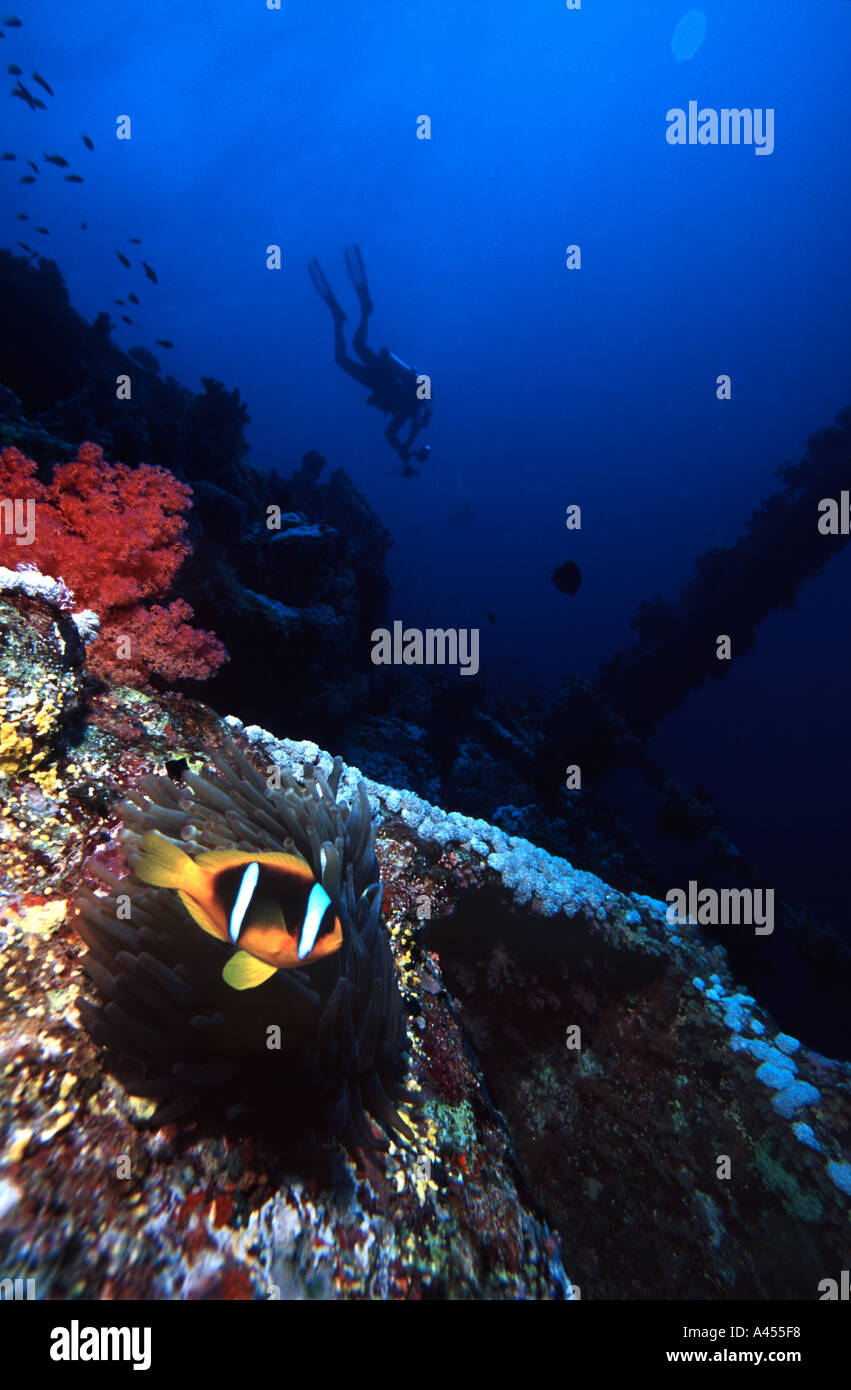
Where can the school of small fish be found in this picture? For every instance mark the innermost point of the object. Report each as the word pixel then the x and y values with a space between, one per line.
pixel 35 103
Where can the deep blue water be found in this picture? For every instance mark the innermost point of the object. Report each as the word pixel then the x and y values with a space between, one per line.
pixel 550 386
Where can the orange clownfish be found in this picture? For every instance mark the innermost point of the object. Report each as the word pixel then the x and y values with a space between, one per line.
pixel 268 905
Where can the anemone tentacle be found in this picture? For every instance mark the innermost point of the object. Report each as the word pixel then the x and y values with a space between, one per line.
pixel 198 1043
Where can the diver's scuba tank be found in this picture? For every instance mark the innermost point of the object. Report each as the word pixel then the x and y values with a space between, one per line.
pixel 401 371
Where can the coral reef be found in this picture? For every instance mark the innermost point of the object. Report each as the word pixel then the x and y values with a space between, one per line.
pixel 293 568
pixel 306 594
pixel 114 536
pixel 597 1095
pixel 41 653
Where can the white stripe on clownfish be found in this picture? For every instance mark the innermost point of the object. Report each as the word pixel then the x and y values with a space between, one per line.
pixel 316 907
pixel 243 900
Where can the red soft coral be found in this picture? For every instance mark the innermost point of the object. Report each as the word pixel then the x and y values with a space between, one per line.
pixel 162 640
pixel 115 535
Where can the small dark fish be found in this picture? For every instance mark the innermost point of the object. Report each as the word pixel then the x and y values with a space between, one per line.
pixel 164 342
pixel 14 70
pixel 33 166
pixel 492 619
pixel 125 318
pixel 43 231
pixel 46 85
pixel 133 299
pixel 27 178
pixel 23 217
pixel 567 578
pixel 87 142
pixel 119 302
pixel 37 102
pixel 26 248
pixel 136 240
pixel 57 160
pixel 7 154
pixel 73 178
pixel 83 226
pixel 123 259
pixel 12 22
pixel 150 274
pixel 21 91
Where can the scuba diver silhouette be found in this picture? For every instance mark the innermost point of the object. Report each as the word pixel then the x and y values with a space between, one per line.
pixel 392 382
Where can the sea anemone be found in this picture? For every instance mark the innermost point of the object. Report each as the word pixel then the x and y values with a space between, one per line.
pixel 315 1048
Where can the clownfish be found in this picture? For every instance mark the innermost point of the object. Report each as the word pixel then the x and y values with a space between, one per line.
pixel 270 906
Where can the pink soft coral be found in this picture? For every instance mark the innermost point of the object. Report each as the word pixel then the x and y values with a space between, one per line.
pixel 115 535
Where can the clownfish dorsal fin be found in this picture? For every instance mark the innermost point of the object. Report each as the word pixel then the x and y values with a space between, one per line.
pixel 317 903
pixel 216 859
pixel 246 972
pixel 243 900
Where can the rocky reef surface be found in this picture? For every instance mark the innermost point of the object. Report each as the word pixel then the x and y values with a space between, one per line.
pixel 598 1109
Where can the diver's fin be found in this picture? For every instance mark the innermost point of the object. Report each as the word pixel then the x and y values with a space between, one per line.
pixel 246 972
pixel 320 284
pixel 355 267
pixel 357 275
pixel 323 289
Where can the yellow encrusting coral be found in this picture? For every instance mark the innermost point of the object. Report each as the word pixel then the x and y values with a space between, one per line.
pixel 14 748
pixel 38 689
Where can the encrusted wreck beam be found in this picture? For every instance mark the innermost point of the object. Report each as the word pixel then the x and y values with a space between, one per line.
pixel 787 540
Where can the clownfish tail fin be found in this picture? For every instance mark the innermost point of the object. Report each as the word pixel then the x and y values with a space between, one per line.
pixel 162 864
